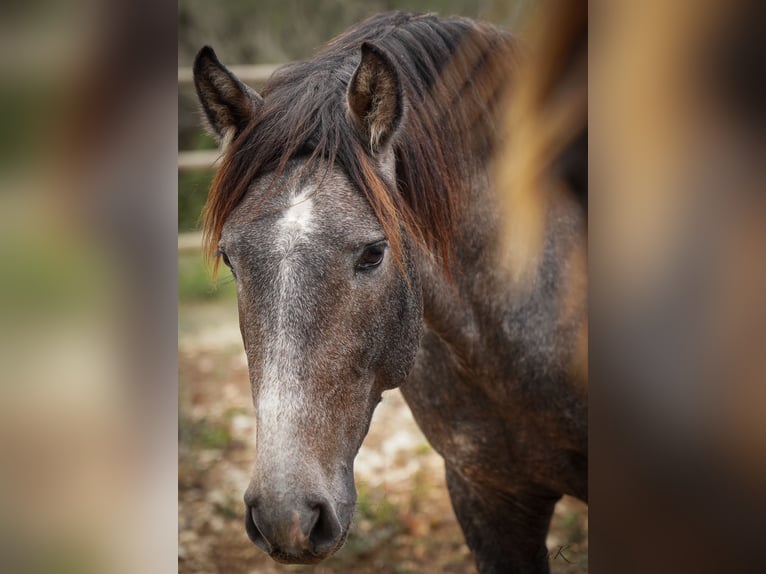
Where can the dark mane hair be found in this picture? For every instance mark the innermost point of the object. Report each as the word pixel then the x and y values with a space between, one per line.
pixel 452 74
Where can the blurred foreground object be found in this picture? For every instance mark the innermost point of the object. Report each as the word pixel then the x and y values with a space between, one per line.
pixel 678 275
pixel 87 300
pixel 542 165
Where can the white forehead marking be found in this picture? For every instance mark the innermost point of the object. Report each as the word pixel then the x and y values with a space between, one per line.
pixel 297 221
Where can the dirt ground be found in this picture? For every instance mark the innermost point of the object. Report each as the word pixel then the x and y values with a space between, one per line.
pixel 403 521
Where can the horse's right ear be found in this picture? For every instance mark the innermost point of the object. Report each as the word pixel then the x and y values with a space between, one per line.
pixel 228 104
pixel 374 97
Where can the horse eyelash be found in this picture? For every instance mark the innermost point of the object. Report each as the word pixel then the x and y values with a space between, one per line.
pixel 228 280
pixel 220 253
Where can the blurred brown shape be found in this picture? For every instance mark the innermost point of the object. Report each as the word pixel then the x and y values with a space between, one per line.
pixel 87 315
pixel 676 240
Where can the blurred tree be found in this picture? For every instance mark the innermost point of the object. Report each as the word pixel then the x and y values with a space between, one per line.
pixel 274 31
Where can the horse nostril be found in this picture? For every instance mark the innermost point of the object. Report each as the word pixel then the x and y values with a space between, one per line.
pixel 325 530
pixel 253 532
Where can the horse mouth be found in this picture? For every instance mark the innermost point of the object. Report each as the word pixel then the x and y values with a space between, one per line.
pixel 308 557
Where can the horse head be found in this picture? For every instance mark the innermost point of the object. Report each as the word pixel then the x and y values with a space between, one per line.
pixel 329 300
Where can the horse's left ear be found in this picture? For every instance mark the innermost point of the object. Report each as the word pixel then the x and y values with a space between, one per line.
pixel 375 97
pixel 227 102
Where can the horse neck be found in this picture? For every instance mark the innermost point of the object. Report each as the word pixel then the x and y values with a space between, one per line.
pixel 478 309
pixel 454 301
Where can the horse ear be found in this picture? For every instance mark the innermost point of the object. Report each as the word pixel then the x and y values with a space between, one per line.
pixel 227 103
pixel 375 97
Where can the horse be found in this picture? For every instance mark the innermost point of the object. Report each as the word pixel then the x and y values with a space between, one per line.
pixel 355 208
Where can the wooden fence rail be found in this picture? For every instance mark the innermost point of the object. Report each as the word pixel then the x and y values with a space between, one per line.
pixel 198 160
pixel 189 242
pixel 253 75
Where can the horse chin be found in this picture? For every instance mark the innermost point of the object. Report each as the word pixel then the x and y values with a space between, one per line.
pixel 306 558
pixel 310 557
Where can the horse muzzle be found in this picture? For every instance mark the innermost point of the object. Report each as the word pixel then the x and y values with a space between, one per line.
pixel 304 531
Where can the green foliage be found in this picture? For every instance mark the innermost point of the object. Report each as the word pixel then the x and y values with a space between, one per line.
pixel 274 31
pixel 213 436
pixel 192 192
pixel 376 522
pixel 27 115
pixel 420 486
pixel 195 282
pixel 47 279
pixel 192 185
pixel 571 521
pixel 203 433
pixel 229 509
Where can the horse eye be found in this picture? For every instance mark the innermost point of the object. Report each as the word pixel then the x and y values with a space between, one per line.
pixel 225 259
pixel 372 256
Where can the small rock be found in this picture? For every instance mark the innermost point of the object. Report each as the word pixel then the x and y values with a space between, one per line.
pixel 216 497
pixel 187 536
pixel 216 523
pixel 241 427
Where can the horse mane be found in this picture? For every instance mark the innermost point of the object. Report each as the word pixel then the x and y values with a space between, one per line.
pixel 453 73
